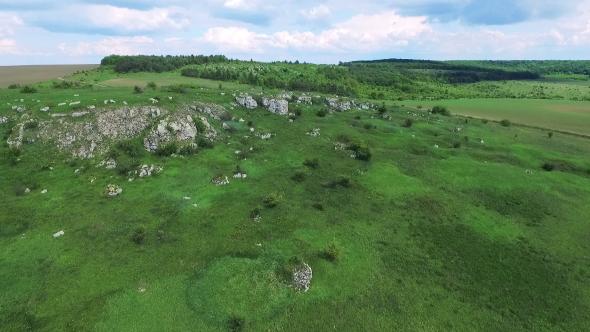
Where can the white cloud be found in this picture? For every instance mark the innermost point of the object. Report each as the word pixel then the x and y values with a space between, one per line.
pixel 9 22
pixel 320 12
pixel 106 16
pixel 362 33
pixel 9 46
pixel 122 46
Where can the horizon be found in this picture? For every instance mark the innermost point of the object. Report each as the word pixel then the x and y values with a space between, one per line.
pixel 84 31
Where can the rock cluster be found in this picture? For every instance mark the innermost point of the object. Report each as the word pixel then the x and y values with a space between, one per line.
pixel 3 119
pixel 178 127
pixel 337 105
pixel 16 140
pixel 45 109
pixel 58 234
pixel 277 106
pixel 302 277
pixel 220 180
pixel 246 101
pixel 146 170
pixel 209 109
pixel 19 108
pixel 315 132
pixel 113 190
pixel 240 175
pixel 304 100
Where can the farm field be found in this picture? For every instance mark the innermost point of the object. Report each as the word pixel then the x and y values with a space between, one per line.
pixel 33 74
pixel 564 115
pixel 410 221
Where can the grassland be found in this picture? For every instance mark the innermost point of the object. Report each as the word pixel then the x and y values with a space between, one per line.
pixel 33 74
pixel 443 229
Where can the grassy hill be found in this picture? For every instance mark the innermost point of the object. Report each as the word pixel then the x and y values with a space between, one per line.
pixel 410 220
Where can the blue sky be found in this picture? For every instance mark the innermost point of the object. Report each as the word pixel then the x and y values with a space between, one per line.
pixel 84 31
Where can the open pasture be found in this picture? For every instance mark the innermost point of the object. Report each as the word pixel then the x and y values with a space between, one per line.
pixel 34 74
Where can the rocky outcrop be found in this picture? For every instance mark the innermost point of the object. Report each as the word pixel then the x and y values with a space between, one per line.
pixel 16 139
pixel 113 190
pixel 178 127
pixel 146 170
pixel 338 105
pixel 302 277
pixel 304 100
pixel 246 101
pixel 277 106
pixel 209 109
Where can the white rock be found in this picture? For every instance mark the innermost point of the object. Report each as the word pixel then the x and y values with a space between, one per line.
pixel 186 198
pixel 58 234
pixel 27 191
pixel 277 106
pixel 76 95
pixel 45 109
pixel 44 191
pixel 246 101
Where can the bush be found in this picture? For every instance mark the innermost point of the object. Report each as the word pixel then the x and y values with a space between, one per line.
pixel 361 150
pixel 236 323
pixel 408 123
pixel 11 155
pixel 271 200
pixel 250 124
pixel 138 235
pixel 332 252
pixel 200 125
pixel 63 84
pixel 176 89
pixel 312 163
pixel 506 123
pixel 299 176
pixel 152 85
pixel 255 213
pixel 125 165
pixel 548 166
pixel 484 121
pixel 341 181
pixel 368 126
pixel 442 110
pixel 382 109
pixel 226 116
pixel 550 134
pixel 188 150
pixel 167 149
pixel 31 124
pixel 137 89
pixel 318 206
pixel 457 145
pixel 28 89
pixel 14 86
pixel 204 143
pixel 132 147
pixel 321 112
pixel 297 112
pixel 242 155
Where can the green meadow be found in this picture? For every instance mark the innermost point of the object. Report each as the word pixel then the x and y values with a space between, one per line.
pixel 447 223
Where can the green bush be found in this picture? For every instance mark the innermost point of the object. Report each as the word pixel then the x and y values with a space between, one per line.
pixel 318 206
pixel 312 163
pixel 367 126
pixel 271 200
pixel 132 147
pixel 408 123
pixel 28 89
pixel 137 89
pixel 299 176
pixel 550 134
pixel 31 124
pixel 236 323
pixel 138 235
pixel 204 143
pixel 152 85
pixel 176 88
pixel 321 112
pixel 125 165
pixel 188 150
pixel 442 110
pixel 382 109
pixel 200 125
pixel 64 84
pixel 506 123
pixel 484 121
pixel 457 145
pixel 167 149
pixel 226 116
pixel 332 252
pixel 548 166
pixel 361 150
pixel 14 86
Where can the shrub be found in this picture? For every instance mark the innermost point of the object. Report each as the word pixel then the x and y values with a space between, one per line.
pixel 242 155
pixel 11 155
pixel 550 134
pixel 358 117
pixel 484 121
pixel 271 200
pixel 506 123
pixel 132 147
pixel 368 126
pixel 63 85
pixel 28 89
pixel 167 149
pixel 548 166
pixel 321 112
pixel 250 124
pixel 312 163
pixel 14 86
pixel 152 85
pixel 138 235
pixel 332 252
pixel 408 123
pixel 382 109
pixel 297 112
pixel 137 89
pixel 299 176
pixel 255 213
pixel 31 124
pixel 176 89
pixel 226 116
pixel 188 150
pixel 419 107
pixel 361 149
pixel 236 323
pixel 220 86
pixel 126 165
pixel 204 143
pixel 342 181
pixel 457 145
pixel 318 206
pixel 440 109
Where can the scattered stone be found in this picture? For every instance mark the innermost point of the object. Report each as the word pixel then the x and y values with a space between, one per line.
pixel 3 119
pixel 124 102
pixel 265 136
pixel 220 180
pixel 251 130
pixel 436 146
pixel 111 164
pixel 186 198
pixel 62 104
pixel 91 107
pixel 44 191
pixel 45 109
pixel 76 95
pixel 151 99
pixel 146 170
pixel 315 132
pixel 337 105
pixel 242 120
pixel 113 190
pixel 277 106
pixel 58 234
pixel 304 100
pixel 195 205
pixel 225 126
pixel 79 114
pixel 74 103
pixel 27 190
pixel 240 176
pixel 246 101
pixel 302 277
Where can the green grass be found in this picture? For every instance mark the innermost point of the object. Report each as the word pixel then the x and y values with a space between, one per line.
pixel 432 239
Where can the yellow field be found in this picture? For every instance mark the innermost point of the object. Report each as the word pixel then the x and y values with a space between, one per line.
pixel 33 74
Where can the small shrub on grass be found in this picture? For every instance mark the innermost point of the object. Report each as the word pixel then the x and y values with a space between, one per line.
pixel 126 165
pixel 548 166
pixel 457 145
pixel 382 109
pixel 200 125
pixel 321 112
pixel 297 112
pixel 361 149
pixel 63 85
pixel 188 150
pixel 11 155
pixel 358 117
pixel 226 116
pixel 19 189
pixel 332 252
pixel 442 110
pixel 318 206
pixel 152 85
pixel 484 121
pixel 242 155
pixel 167 149
pixel 176 88
pixel 368 126
pixel 312 163
pixel 28 89
pixel 31 124
pixel 299 176
pixel 255 213
pixel 506 123
pixel 271 200
pixel 408 123
pixel 550 134
pixel 236 323
pixel 132 147
pixel 250 124
pixel 341 181
pixel 14 86
pixel 138 235
pixel 204 143
pixel 137 89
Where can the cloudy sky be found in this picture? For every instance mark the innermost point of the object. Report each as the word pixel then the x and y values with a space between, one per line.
pixel 84 31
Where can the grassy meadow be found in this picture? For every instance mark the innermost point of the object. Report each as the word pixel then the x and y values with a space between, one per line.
pixel 33 74
pixel 453 224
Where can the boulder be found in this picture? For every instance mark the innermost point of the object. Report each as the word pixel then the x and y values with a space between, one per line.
pixel 246 101
pixel 277 106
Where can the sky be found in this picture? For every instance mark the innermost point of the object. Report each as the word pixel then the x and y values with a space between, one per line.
pixel 84 31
